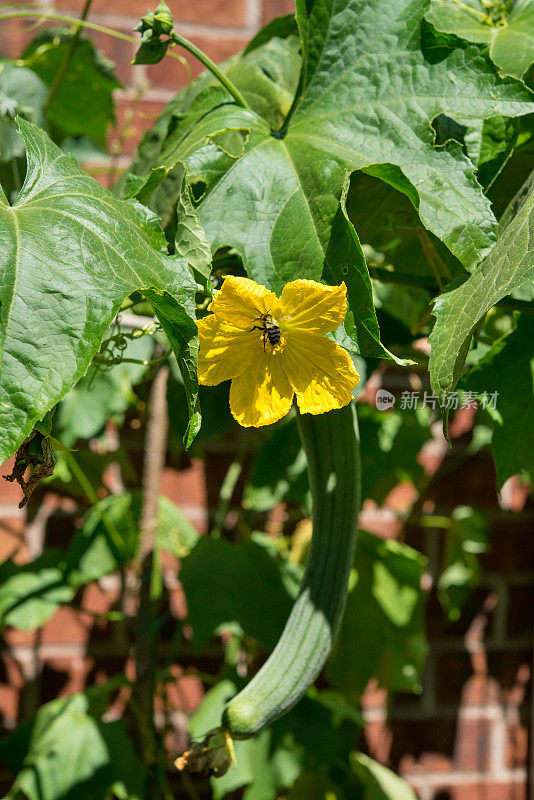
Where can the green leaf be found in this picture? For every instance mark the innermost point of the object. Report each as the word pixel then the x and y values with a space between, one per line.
pixel 510 40
pixel 368 95
pixel 379 782
pixel 390 443
pixel 24 94
pixel 269 81
pixel 83 102
pixel 175 534
pixel 508 370
pixel 178 322
pixel 280 27
pixel 382 633
pixel 106 542
pixel 102 394
pixel 466 538
pixel 247 584
pixel 32 593
pixel 279 470
pixel 67 752
pixel 509 265
pixel 68 241
pixel 311 734
pixel 96 550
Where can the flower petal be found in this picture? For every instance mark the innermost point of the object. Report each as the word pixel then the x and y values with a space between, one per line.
pixel 320 371
pixel 225 351
pixel 310 306
pixel 262 394
pixel 242 301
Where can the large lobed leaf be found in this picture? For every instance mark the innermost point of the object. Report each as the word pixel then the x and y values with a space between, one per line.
pixel 71 253
pixel 368 93
pixel 66 751
pixel 509 265
pixel 507 372
pixel 510 39
pixel 382 632
pixel 83 103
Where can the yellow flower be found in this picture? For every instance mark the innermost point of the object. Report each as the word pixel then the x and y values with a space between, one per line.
pixel 235 344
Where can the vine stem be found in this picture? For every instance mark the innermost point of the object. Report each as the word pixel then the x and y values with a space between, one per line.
pixel 227 488
pixel 84 24
pixel 115 539
pixel 69 55
pixel 213 68
pixel 146 643
pixel 176 39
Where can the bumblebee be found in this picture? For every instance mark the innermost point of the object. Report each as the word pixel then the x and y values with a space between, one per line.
pixel 271 330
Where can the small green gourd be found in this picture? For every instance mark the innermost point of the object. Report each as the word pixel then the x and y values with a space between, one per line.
pixel 332 447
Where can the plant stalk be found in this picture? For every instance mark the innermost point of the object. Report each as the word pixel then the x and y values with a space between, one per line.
pixel 69 55
pixel 212 67
pixel 146 637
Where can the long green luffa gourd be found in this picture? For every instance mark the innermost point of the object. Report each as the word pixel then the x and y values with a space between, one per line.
pixel 332 448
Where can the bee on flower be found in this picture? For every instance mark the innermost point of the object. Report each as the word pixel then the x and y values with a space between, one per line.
pixel 275 348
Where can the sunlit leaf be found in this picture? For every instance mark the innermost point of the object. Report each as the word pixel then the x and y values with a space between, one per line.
pixel 83 103
pixel 509 265
pixel 506 374
pixel 70 255
pixel 382 632
pixel 509 36
pixel 67 752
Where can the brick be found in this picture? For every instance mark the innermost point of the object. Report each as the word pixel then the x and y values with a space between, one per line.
pixel 402 497
pixel 487 790
pixel 12 540
pixel 378 739
pixel 15 36
pixel 118 51
pixel 517 751
pixel 472 750
pixel 178 602
pixel 15 638
pixel 170 74
pixel 99 599
pixel 185 692
pixel 383 522
pixel 514 494
pixel 275 8
pixel 428 763
pixel 144 115
pixel 66 627
pixel 229 13
pixel 11 683
pixel 185 487
pixel 480 690
pixel 10 492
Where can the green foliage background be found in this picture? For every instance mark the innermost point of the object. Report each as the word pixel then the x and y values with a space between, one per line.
pixel 385 143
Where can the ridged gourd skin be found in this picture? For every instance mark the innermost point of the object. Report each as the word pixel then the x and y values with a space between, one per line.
pixel 332 446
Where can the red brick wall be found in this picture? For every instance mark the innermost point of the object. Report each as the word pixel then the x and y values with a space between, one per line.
pixel 466 735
